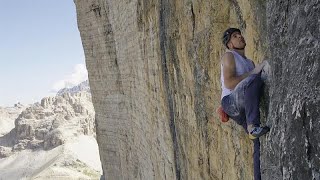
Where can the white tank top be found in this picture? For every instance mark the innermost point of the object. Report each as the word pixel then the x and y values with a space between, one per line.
pixel 242 66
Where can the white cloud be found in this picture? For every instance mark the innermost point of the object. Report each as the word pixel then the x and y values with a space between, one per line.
pixel 78 75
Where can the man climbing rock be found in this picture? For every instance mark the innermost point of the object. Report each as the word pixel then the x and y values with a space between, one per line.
pixel 241 90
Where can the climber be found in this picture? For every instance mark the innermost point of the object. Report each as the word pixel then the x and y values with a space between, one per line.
pixel 241 90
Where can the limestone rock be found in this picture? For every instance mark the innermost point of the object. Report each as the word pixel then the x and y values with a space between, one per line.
pixel 154 74
pixel 54 120
pixel 7 117
pixel 291 150
pixel 5 151
pixel 51 139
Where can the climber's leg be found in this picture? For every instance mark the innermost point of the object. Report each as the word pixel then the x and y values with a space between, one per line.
pixel 235 104
pixel 252 94
pixel 256 160
pixel 229 106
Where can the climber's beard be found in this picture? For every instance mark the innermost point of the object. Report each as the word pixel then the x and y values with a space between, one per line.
pixel 241 46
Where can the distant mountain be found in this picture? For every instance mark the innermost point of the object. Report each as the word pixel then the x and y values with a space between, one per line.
pixel 7 117
pixel 84 86
pixel 51 138
pixel 53 121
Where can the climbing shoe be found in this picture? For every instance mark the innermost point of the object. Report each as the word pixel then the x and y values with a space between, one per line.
pixel 223 116
pixel 256 132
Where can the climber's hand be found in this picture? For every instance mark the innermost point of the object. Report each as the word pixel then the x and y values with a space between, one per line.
pixel 259 67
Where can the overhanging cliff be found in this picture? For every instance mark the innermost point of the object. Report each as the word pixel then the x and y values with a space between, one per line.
pixel 154 76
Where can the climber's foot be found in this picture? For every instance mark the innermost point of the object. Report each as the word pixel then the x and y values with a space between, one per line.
pixel 257 132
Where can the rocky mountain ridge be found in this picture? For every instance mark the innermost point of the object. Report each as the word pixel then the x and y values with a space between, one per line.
pixel 7 115
pixel 83 86
pixel 54 123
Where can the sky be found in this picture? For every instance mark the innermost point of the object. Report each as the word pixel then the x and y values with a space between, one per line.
pixel 40 49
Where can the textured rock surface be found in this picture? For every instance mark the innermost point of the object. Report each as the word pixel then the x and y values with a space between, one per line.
pixel 292 149
pixel 154 75
pixel 50 139
pixel 7 117
pixel 50 123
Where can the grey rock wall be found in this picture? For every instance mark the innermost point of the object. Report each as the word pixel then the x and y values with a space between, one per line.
pixel 291 151
pixel 132 127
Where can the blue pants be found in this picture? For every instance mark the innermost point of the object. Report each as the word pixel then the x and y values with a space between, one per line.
pixel 242 105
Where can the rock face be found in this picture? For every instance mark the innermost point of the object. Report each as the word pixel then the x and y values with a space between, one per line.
pixel 7 116
pixel 291 151
pixel 154 76
pixel 50 123
pixel 51 139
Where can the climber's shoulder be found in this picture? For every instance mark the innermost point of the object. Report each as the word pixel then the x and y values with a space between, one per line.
pixel 228 59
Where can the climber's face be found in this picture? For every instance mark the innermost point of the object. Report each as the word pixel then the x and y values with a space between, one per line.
pixel 237 41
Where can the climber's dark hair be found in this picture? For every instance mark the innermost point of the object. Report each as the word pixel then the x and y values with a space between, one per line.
pixel 227 35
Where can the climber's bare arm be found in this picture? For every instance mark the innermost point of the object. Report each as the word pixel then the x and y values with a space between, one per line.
pixel 229 71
